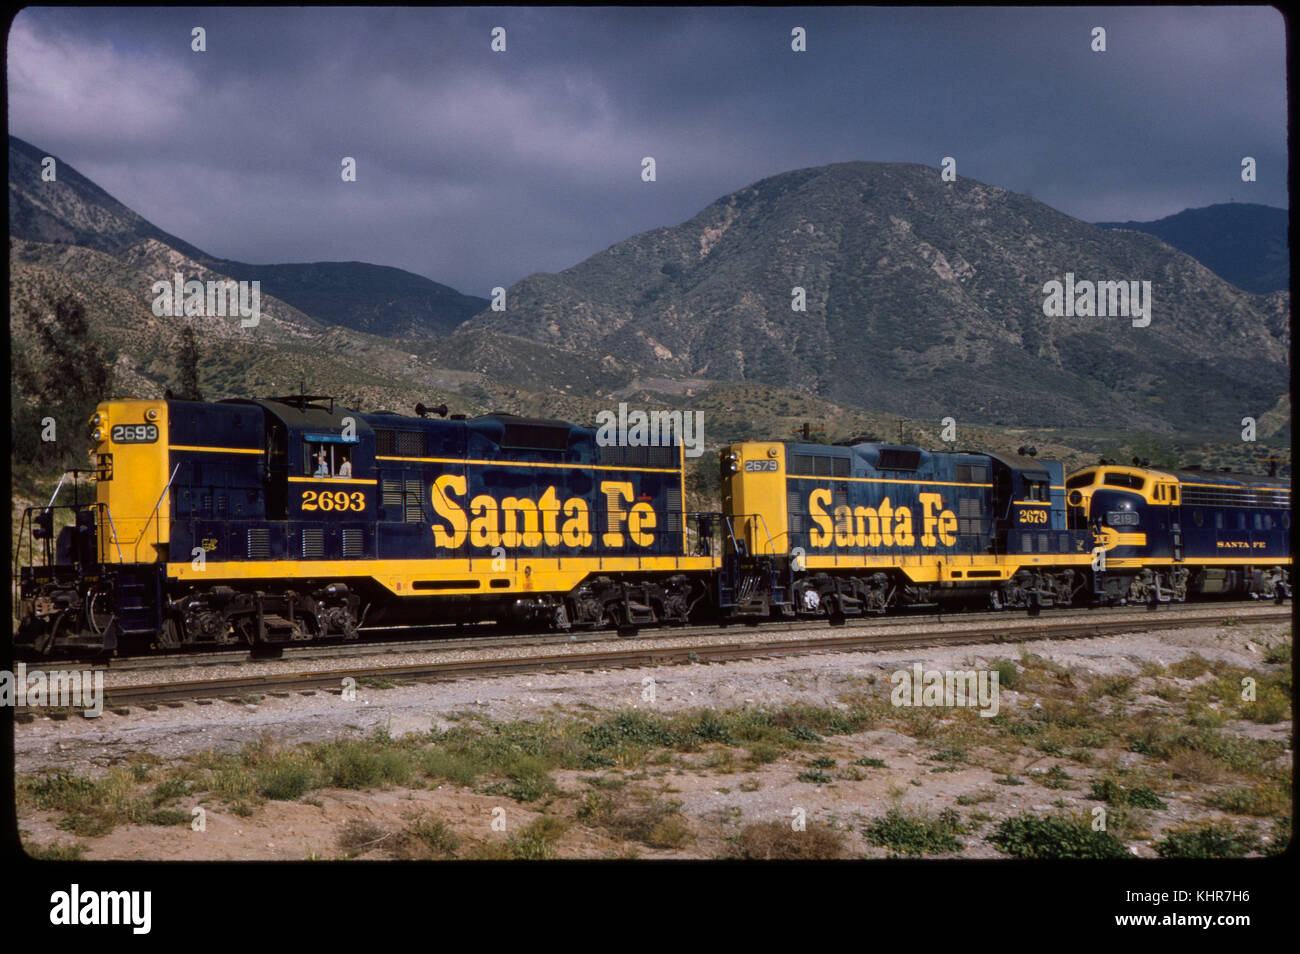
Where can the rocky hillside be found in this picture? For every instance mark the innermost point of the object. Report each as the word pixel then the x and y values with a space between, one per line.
pixel 370 298
pixel 924 298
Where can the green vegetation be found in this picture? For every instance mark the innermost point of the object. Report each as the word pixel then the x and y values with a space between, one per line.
pixel 56 851
pixel 1112 792
pixel 637 815
pixel 1028 836
pixel 1262 799
pixel 59 376
pixel 1210 840
pixel 916 833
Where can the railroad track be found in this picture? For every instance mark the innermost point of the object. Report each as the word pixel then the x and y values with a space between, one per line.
pixel 493 638
pixel 622 655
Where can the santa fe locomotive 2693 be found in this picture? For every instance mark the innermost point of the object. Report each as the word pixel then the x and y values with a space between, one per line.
pixel 270 522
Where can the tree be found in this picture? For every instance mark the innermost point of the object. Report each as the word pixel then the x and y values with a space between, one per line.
pixel 62 377
pixel 189 365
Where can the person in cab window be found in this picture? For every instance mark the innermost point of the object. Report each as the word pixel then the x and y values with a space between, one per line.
pixel 345 468
pixel 322 464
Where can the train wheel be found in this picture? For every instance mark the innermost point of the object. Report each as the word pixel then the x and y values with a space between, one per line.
pixel 243 630
pixel 170 636
pixel 44 644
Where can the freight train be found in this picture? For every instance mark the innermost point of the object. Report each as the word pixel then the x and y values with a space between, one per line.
pixel 284 520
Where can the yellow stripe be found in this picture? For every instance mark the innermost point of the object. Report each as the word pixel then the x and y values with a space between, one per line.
pixel 332 480
pixel 216 450
pixel 884 480
pixel 1236 487
pixel 527 463
pixel 551 575
pixel 1139 562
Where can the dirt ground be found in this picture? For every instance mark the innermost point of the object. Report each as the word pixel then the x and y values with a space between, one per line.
pixel 716 795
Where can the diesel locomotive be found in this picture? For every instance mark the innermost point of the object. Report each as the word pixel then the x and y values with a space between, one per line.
pixel 266 522
pixel 1173 534
pixel 270 522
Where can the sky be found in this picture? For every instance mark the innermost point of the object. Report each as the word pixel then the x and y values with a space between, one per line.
pixel 476 168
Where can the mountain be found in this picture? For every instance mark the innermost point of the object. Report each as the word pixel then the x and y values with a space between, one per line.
pixel 371 298
pixel 924 301
pixel 1245 243
pixel 923 298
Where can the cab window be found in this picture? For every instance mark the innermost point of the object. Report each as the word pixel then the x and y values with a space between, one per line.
pixel 319 460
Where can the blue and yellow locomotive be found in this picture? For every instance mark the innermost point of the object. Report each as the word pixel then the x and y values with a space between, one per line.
pixel 863 527
pixel 266 522
pixel 271 521
pixel 1167 535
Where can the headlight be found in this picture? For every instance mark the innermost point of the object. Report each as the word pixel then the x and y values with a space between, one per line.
pixel 97 435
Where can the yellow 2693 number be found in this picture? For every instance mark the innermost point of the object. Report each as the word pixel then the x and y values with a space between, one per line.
pixel 333 500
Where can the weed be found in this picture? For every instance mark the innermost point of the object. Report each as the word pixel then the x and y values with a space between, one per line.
pixel 916 833
pixel 1209 840
pixel 1028 836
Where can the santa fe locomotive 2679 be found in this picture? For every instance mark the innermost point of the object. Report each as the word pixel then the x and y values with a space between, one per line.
pixel 269 522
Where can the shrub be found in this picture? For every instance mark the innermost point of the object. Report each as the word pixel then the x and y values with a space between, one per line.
pixel 285 780
pixel 1008 673
pixel 915 833
pixel 1028 836
pixel 425 838
pixel 1113 793
pixel 1256 800
pixel 1210 840
pixel 777 841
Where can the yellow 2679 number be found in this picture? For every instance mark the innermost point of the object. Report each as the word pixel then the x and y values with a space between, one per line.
pixel 333 500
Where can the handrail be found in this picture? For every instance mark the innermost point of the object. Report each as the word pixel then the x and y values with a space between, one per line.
pixel 771 544
pixel 109 514
pixel 153 513
pixel 56 490
pixel 726 519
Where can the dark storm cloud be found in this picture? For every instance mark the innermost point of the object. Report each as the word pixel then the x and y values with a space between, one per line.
pixel 477 168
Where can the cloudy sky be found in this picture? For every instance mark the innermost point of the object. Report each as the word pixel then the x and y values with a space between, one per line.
pixel 477 168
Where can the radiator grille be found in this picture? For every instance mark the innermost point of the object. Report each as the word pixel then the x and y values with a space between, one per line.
pixel 970 517
pixel 353 544
pixel 392 498
pixel 313 544
pixel 259 544
pixel 414 513
pixel 674 510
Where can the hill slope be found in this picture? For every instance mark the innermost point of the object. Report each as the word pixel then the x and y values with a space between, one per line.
pixel 371 298
pixel 1242 242
pixel 923 298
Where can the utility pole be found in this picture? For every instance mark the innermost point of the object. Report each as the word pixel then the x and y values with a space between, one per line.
pixel 806 431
